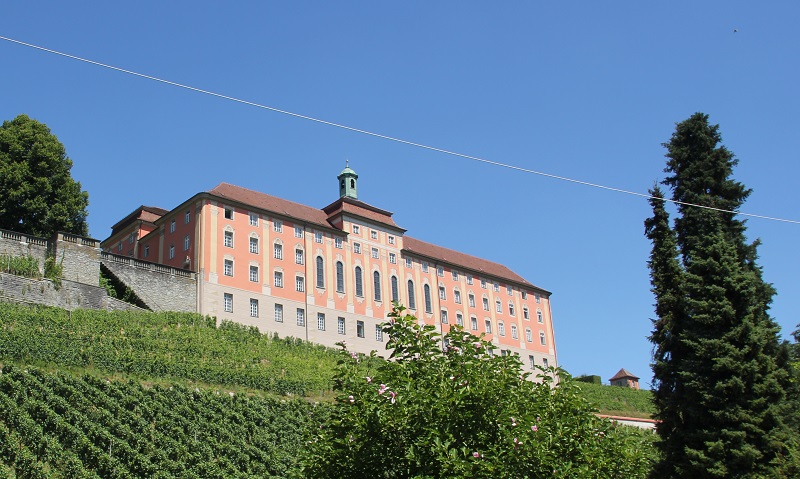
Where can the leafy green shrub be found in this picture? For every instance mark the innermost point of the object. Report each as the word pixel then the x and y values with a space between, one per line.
pixel 54 271
pixel 460 411
pixel 618 400
pixel 26 265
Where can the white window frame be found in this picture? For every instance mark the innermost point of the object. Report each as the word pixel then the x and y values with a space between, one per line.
pixel 171 228
pixel 228 239
pixel 514 332
pixel 228 213
pixel 187 217
pixel 542 338
pixel 471 299
pixel 277 251
pixel 171 251
pixel 457 296
pixel 440 271
pixel 317 237
pixel 278 279
pixel 227 302
pixel 357 248
pixel 390 239
pixel 378 333
pixel 340 325
pixel 254 273
pixel 392 258
pixel 277 226
pixel 186 243
pixel 375 253
pixel 300 284
pixel 278 313
pixel 360 329
pixel 337 242
pixel 298 232
pixel 321 321
pixel 528 335
pixel 298 256
pixel 254 245
pixel 227 267
pixel 301 317
pixel 253 219
pixel 373 234
pixel 487 326
pixel 460 319
pixel 253 308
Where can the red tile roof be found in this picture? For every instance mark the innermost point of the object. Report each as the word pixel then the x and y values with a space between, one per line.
pixel 622 374
pixel 462 260
pixel 360 209
pixel 271 203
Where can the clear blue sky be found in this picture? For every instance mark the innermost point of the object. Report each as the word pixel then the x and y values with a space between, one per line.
pixel 587 90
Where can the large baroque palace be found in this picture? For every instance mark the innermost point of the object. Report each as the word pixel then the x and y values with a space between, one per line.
pixel 331 274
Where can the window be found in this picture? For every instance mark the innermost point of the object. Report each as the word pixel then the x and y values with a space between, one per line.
pixel 395 292
pixel 498 306
pixel 340 325
pixel 360 329
pixel 528 335
pixel 514 333
pixel 228 213
pixel 378 333
pixel 357 248
pixel 228 239
pixel 542 338
pixel 544 362
pixel 228 267
pixel 320 272
pixel 277 225
pixel 444 317
pixel 299 284
pixel 130 238
pixel 442 293
pixel 356 230
pixel 509 290
pixel 298 231
pixel 525 313
pixel 537 297
pixel 539 317
pixel 253 219
pixel 227 302
pixel 496 287
pixel 531 362
pixel 171 229
pixel 146 251
pixel 337 242
pixel 471 298
pixel 375 253
pixel 455 275
pixel 254 273
pixel 318 237
pixel 412 301
pixel 469 279
pixel 278 279
pixel 409 262
pixel 424 266
pixel 439 271
pixel 511 308
pixel 376 285
pixel 171 251
pixel 486 304
pixel 473 323
pixel 321 321
pixel 524 294
pixel 339 277
pixel 501 328
pixel 253 308
pixel 187 217
pixel 483 283
pixel 254 245
pixel 488 326
pixel 278 313
pixel 457 296
pixel 278 251
pixel 460 319
pixel 186 243
pixel 392 258
pixel 298 256
pixel 427 292
pixel 301 317
pixel 373 234
pixel 359 282
pixel 390 239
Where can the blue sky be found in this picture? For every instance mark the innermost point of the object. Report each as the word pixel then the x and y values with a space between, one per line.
pixel 585 90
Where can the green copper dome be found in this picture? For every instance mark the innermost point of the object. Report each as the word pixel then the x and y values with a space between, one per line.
pixel 347 183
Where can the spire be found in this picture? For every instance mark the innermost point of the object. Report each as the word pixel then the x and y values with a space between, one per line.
pixel 348 180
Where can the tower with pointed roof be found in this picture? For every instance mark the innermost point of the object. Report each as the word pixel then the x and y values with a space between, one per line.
pixel 348 182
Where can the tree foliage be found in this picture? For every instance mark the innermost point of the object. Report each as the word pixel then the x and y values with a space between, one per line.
pixel 720 371
pixel 37 193
pixel 459 412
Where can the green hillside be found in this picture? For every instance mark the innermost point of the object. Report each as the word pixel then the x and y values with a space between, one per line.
pixel 139 394
pixel 619 401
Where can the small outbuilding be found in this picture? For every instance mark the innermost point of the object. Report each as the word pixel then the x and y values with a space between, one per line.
pixel 625 379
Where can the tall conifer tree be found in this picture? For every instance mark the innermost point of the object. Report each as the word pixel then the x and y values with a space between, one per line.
pixel 720 370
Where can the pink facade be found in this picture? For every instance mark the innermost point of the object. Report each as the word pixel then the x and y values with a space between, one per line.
pixel 331 274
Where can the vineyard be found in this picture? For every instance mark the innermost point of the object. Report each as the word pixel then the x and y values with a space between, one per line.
pixel 56 425
pixel 164 345
pixel 139 394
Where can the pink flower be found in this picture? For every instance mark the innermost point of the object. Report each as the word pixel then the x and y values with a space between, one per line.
pixel 382 389
pixel 513 422
pixel 393 394
pixel 369 379
pixel 534 428
pixel 476 454
pixel 352 399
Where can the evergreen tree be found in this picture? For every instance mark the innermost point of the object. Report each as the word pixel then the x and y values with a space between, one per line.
pixel 37 193
pixel 720 370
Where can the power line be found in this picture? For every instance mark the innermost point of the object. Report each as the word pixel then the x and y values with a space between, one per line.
pixel 386 137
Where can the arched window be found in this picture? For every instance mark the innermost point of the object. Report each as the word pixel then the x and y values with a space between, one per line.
pixel 412 301
pixel 320 272
pixel 359 282
pixel 395 292
pixel 539 316
pixel 428 305
pixel 376 279
pixel 542 338
pixel 339 277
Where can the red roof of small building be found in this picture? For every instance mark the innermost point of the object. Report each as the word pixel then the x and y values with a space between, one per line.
pixel 624 374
